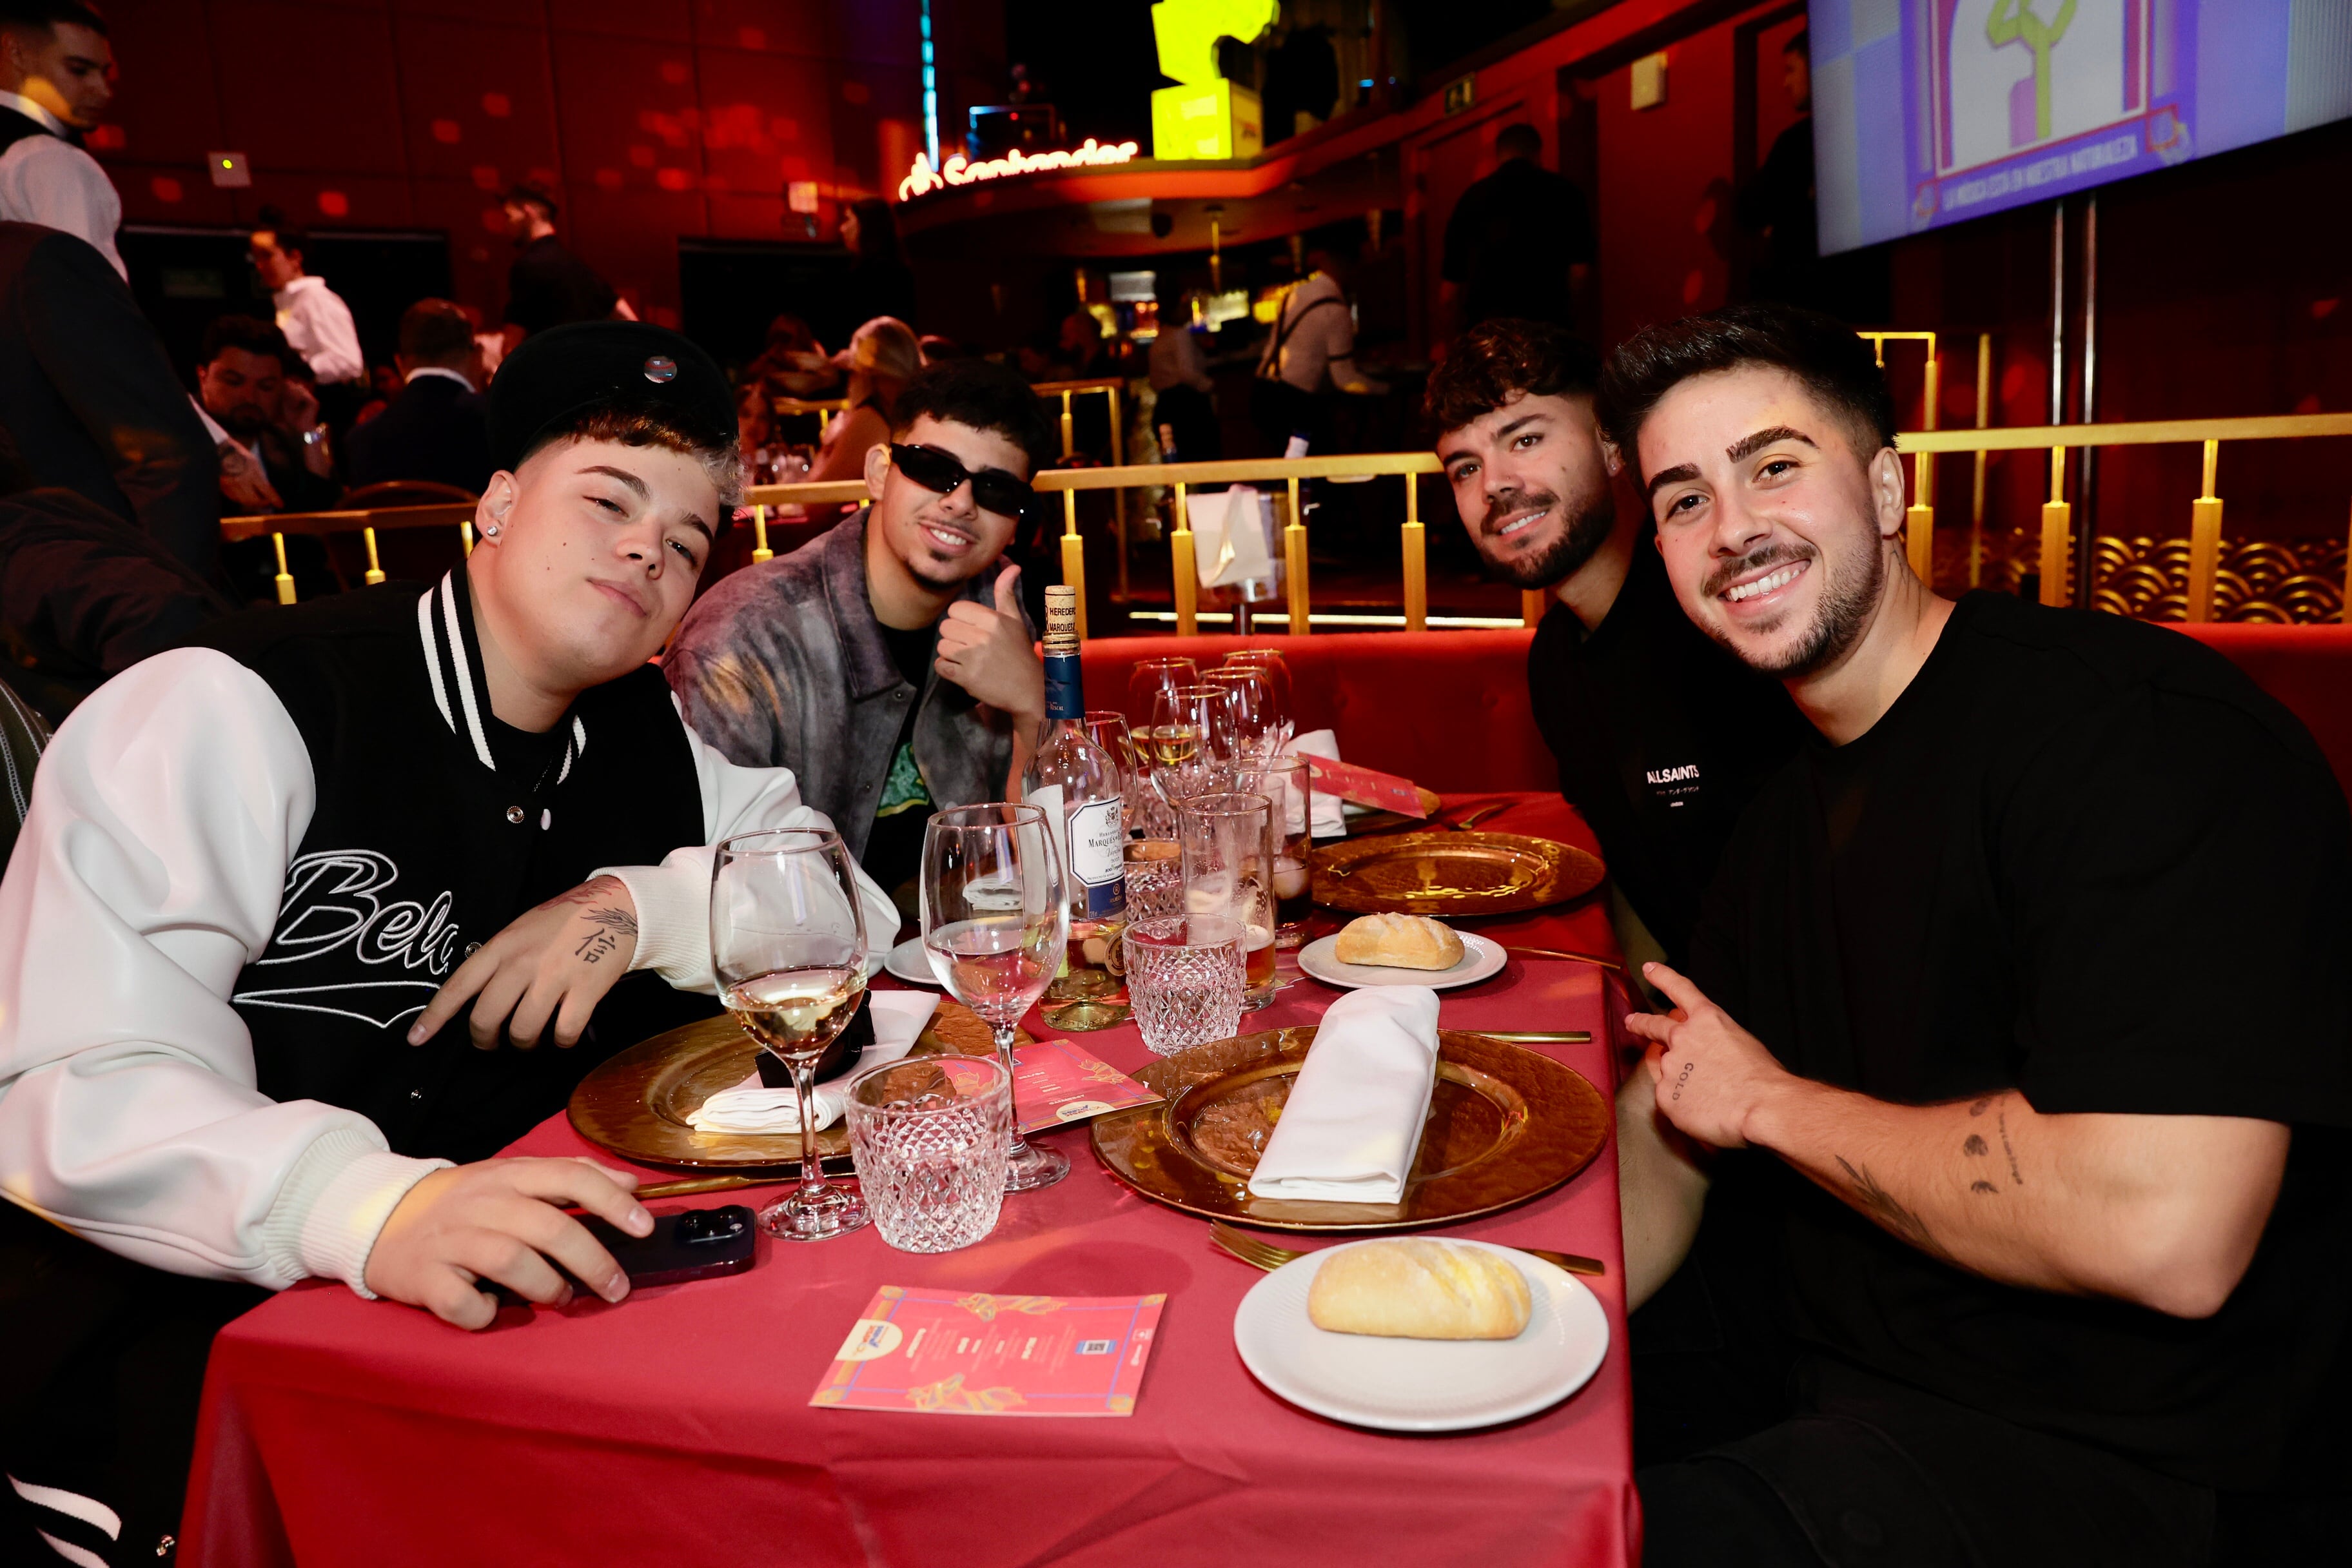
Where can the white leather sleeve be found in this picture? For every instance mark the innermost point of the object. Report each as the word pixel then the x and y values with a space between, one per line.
pixel 673 899
pixel 148 873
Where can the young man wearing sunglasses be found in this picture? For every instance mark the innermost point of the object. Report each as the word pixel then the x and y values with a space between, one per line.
pixel 889 663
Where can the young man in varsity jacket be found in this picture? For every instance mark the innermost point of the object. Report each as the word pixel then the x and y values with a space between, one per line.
pixel 292 909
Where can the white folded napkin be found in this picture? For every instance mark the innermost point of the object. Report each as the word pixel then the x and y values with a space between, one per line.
pixel 1352 1126
pixel 1331 820
pixel 752 1107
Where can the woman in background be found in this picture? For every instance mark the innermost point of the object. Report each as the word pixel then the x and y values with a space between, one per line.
pixel 882 357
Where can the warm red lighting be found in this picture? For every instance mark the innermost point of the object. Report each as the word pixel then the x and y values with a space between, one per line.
pixel 497 105
pixel 959 171
pixel 334 204
pixel 106 138
pixel 447 132
pixel 486 176
pixel 166 189
pixel 672 179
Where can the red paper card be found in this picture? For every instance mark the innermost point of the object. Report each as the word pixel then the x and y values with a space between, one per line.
pixel 1367 786
pixel 945 1353
pixel 1055 1083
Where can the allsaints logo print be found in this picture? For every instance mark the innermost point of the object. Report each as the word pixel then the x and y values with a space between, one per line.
pixel 334 909
pixel 1688 772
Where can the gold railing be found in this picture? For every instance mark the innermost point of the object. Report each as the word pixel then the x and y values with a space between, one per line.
pixel 2058 514
pixel 2205 541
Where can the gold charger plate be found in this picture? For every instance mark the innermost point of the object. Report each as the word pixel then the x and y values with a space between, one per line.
pixel 1382 820
pixel 1447 873
pixel 1505 1125
pixel 637 1104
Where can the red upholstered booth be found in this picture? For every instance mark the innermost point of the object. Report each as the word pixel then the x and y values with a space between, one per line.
pixel 1449 709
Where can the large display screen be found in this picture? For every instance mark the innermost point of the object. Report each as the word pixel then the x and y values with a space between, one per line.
pixel 1928 112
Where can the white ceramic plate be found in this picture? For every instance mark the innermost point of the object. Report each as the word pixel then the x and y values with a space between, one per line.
pixel 909 963
pixel 1422 1385
pixel 1480 959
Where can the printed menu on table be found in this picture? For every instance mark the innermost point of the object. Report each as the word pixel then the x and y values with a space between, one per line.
pixel 940 1353
pixel 1055 1083
pixel 1366 786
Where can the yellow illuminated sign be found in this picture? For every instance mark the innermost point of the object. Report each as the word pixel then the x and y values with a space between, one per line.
pixel 1187 32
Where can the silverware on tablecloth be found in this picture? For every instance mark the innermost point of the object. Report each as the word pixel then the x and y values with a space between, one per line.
pixel 1563 952
pixel 1535 1037
pixel 1481 815
pixel 1249 1250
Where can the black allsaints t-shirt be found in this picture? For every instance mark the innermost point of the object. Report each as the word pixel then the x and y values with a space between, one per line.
pixel 2084 858
pixel 1661 739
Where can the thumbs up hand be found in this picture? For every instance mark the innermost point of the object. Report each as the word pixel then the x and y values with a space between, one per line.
pixel 989 652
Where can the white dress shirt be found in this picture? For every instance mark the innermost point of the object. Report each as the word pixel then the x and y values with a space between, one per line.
pixel 50 181
pixel 319 325
pixel 1319 351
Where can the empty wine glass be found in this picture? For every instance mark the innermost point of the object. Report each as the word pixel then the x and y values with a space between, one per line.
pixel 788 951
pixel 1150 677
pixel 996 930
pixel 1248 732
pixel 1284 717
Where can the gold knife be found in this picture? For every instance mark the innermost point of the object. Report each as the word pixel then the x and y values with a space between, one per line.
pixel 1535 1037
pixel 1563 952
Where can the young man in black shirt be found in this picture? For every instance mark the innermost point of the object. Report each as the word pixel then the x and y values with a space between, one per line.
pixel 2064 1224
pixel 1661 736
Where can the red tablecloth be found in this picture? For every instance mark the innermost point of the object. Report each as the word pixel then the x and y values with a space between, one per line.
pixel 675 1428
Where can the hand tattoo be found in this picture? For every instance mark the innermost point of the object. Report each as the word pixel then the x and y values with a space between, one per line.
pixel 585 893
pixel 1975 1146
pixel 612 927
pixel 1983 1187
pixel 2003 1122
pixel 1683 1078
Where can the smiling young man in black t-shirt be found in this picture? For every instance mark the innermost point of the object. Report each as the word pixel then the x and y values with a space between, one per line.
pixel 2068 1244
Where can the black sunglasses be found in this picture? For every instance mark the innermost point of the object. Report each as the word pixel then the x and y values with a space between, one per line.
pixel 992 488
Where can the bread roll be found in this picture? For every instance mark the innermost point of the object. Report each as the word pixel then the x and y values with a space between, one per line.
pixel 1419 1289
pixel 1399 941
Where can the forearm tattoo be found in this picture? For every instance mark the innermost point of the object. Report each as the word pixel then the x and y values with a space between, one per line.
pixel 1881 1206
pixel 1975 1147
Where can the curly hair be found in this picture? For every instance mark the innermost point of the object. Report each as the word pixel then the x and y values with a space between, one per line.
pixel 1496 360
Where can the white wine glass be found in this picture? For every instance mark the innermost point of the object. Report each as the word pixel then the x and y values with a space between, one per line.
pixel 1269 662
pixel 788 951
pixel 1188 725
pixel 996 929
pixel 1249 732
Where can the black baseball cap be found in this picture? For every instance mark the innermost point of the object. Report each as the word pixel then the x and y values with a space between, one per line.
pixel 559 373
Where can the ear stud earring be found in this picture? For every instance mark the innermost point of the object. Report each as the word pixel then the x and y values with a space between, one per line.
pixel 490 530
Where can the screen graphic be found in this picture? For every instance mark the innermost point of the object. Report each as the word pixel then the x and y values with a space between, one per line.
pixel 1933 111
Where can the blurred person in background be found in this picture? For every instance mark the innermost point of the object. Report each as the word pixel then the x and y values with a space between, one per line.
pixel 1777 204
pixel 1184 412
pixel 264 419
pixel 438 429
pixel 1519 243
pixel 1309 355
pixel 792 364
pixel 56 76
pixel 878 282
pixel 548 286
pixel 881 358
pixel 317 323
pixel 89 401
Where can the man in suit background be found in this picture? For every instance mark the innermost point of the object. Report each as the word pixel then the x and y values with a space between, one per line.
pixel 438 428
pixel 89 401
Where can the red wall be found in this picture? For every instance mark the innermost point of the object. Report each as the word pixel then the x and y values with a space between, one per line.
pixel 654 119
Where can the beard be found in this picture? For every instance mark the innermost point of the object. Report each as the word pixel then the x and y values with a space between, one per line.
pixel 1584 530
pixel 1848 598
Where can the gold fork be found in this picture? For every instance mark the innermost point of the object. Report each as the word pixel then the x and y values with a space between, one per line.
pixel 1264 1254
pixel 1481 815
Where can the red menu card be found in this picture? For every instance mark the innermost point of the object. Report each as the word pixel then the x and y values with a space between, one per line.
pixel 1366 786
pixel 940 1353
pixel 1055 1083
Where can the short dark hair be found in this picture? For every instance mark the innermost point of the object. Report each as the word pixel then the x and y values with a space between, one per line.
pixel 436 331
pixel 1801 42
pixel 1518 141
pixel 1496 360
pixel 45 14
pixel 292 237
pixel 983 395
pixel 1837 367
pixel 648 425
pixel 252 334
pixel 524 193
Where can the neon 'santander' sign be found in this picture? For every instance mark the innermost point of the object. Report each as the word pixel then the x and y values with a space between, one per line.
pixel 958 170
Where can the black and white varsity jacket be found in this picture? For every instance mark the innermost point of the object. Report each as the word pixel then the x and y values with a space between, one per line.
pixel 247 869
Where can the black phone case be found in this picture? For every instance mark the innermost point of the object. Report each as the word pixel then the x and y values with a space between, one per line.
pixel 664 1257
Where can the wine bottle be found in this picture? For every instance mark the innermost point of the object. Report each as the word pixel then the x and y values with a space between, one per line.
pixel 1080 788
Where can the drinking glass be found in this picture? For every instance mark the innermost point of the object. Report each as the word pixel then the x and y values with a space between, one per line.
pixel 996 929
pixel 1150 677
pixel 928 1137
pixel 1284 782
pixel 1278 680
pixel 1248 732
pixel 1184 979
pixel 1106 728
pixel 1182 743
pixel 1227 846
pixel 1155 876
pixel 788 951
